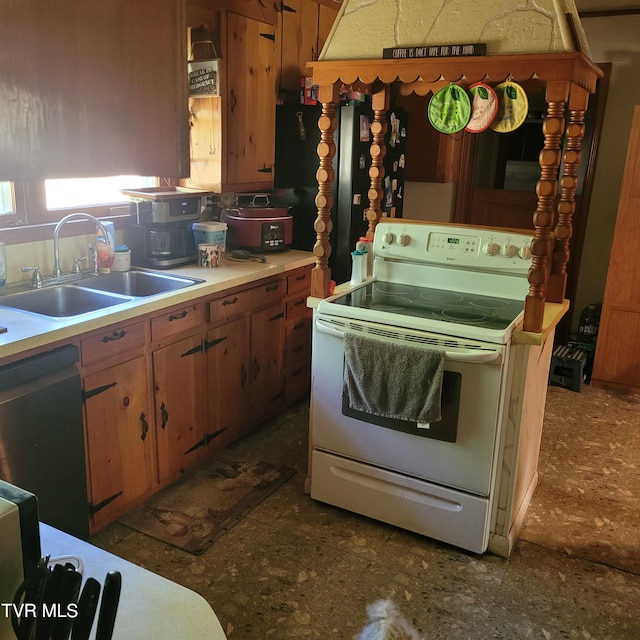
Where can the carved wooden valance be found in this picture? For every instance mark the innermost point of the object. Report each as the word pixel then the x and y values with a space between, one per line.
pixel 567 78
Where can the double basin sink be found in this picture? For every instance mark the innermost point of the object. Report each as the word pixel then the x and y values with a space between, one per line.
pixel 62 301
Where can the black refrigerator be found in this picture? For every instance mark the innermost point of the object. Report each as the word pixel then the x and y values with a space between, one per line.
pixel 296 163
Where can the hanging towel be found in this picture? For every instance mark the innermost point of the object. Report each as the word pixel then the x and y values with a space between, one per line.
pixel 393 380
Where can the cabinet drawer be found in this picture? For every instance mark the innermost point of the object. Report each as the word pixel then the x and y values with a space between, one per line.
pixel 176 321
pixel 300 281
pixel 112 342
pixel 297 307
pixel 297 382
pixel 244 301
pixel 297 340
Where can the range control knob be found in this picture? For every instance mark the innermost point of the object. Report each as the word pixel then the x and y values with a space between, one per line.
pixel 525 253
pixel 508 250
pixel 491 249
pixel 404 239
pixel 388 237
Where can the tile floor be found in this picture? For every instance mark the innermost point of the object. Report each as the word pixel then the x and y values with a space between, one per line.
pixel 295 568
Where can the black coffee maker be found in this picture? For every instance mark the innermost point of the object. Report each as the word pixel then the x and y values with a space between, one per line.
pixel 161 236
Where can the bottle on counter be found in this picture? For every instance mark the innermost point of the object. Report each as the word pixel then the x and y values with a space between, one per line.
pixel 365 245
pixel 106 251
pixel 358 267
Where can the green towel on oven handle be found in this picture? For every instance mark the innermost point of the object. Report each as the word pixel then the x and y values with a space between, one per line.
pixel 393 380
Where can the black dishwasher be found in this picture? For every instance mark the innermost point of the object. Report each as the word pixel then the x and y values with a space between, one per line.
pixel 41 436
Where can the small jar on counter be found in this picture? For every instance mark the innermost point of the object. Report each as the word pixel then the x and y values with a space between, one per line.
pixel 121 258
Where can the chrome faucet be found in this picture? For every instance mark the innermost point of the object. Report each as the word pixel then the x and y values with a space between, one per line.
pixel 57 272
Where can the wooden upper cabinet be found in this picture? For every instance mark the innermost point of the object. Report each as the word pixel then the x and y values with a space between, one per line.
pixel 304 27
pixel 93 88
pixel 233 134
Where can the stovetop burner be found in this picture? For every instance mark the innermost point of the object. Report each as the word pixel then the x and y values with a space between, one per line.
pixel 424 302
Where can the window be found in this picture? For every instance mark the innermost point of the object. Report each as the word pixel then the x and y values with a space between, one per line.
pixel 27 209
pixel 6 199
pixel 72 192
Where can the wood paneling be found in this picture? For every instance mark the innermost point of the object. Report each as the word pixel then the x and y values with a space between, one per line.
pixel 617 358
pixel 93 88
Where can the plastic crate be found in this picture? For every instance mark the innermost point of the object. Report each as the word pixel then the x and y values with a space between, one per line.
pixel 567 367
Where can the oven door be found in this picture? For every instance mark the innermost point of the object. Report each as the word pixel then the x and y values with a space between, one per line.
pixel 458 453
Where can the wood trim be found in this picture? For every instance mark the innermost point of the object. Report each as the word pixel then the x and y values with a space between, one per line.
pixel 608 13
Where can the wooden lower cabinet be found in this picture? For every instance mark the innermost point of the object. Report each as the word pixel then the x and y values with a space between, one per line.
pixel 227 350
pixel 164 391
pixel 179 396
pixel 120 438
pixel 267 363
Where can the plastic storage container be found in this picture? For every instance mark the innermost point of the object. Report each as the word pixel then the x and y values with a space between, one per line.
pixel 210 233
pixel 122 258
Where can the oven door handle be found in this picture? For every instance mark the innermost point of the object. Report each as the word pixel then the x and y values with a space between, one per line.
pixel 467 355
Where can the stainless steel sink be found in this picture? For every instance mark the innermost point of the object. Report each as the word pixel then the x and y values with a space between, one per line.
pixel 62 301
pixel 137 283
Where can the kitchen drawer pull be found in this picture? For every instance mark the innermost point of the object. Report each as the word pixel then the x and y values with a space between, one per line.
pixel 116 335
pixel 230 301
pixel 145 427
pixel 269 36
pixel 297 303
pixel 265 170
pixel 298 325
pixel 243 376
pixel 278 316
pixel 272 287
pixel 165 416
pixel 178 316
pixel 301 277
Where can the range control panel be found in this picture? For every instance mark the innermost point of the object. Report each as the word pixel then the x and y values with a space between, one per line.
pixel 478 247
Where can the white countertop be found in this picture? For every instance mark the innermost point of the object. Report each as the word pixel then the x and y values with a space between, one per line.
pixel 150 606
pixel 26 331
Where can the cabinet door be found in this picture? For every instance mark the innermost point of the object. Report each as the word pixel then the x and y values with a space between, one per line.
pixel 180 401
pixel 227 349
pixel 267 358
pixel 617 358
pixel 251 103
pixel 93 88
pixel 120 446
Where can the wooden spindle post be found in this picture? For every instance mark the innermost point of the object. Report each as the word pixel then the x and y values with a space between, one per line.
pixel 380 103
pixel 328 95
pixel 578 102
pixel 557 95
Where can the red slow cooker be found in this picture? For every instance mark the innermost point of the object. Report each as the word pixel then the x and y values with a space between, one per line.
pixel 258 227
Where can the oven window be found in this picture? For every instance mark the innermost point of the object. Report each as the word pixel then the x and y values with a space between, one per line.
pixel 446 429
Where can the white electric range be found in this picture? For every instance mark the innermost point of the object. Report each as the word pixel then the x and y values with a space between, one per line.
pixel 454 290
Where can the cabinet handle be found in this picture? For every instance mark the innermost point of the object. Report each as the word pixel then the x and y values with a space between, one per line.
pixel 278 316
pixel 165 415
pixel 285 7
pixel 301 277
pixel 145 427
pixel 269 36
pixel 265 170
pixel 234 100
pixel 178 316
pixel 298 325
pixel 272 287
pixel 297 303
pixel 256 368
pixel 116 335
pixel 243 376
pixel 230 301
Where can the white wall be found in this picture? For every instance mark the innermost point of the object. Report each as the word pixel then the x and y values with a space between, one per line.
pixel 615 40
